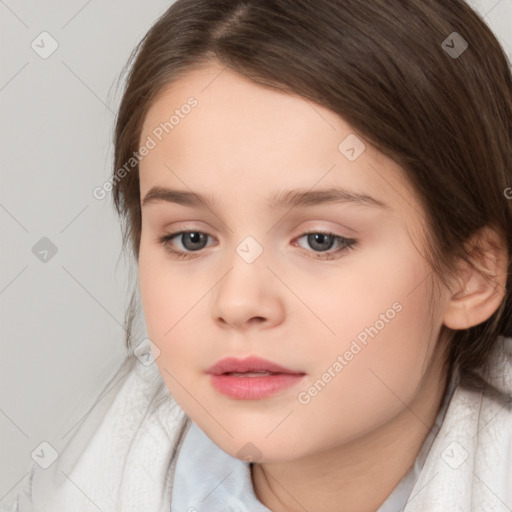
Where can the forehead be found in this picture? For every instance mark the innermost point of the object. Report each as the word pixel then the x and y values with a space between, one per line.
pixel 240 135
pixel 229 104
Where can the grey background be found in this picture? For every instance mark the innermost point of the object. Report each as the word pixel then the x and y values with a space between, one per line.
pixel 61 324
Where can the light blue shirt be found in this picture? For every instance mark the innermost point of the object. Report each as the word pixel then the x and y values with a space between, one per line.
pixel 207 479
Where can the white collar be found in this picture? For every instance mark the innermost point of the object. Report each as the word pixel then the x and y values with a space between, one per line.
pixel 207 478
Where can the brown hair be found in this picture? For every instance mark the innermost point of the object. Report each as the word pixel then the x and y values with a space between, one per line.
pixel 383 67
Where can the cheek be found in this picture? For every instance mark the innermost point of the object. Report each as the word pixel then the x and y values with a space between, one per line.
pixel 383 343
pixel 173 301
pixel 167 289
pixel 374 294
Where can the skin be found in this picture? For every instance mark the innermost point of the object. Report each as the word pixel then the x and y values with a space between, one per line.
pixel 353 442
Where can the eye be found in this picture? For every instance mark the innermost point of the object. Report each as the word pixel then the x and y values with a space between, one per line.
pixel 191 240
pixel 324 241
pixel 195 241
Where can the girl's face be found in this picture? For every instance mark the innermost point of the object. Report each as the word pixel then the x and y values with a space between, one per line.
pixel 348 312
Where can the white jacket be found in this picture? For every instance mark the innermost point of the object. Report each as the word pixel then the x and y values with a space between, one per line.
pixel 122 457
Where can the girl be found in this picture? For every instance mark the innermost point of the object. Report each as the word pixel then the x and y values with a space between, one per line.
pixel 318 196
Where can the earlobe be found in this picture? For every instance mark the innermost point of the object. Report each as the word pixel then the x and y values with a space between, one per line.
pixel 478 296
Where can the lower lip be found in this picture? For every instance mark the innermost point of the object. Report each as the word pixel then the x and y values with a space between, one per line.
pixel 253 388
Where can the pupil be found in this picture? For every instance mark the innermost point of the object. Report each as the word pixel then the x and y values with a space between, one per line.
pixel 318 240
pixel 195 238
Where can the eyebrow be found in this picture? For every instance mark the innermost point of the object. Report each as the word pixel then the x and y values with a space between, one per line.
pixel 285 199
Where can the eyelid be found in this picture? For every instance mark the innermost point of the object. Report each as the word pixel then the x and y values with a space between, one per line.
pixel 320 226
pixel 314 227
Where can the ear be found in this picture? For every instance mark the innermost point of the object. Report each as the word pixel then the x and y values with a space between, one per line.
pixel 475 298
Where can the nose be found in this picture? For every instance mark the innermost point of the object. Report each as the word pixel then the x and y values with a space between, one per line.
pixel 248 295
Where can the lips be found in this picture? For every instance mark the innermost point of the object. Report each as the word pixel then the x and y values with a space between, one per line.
pixel 252 378
pixel 250 367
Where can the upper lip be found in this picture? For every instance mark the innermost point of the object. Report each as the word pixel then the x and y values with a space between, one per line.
pixel 249 364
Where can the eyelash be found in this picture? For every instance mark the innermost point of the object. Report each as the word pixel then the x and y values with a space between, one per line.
pixel 349 244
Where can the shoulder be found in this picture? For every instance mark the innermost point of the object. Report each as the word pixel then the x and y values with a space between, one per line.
pixel 493 413
pixel 121 448
pixel 469 466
